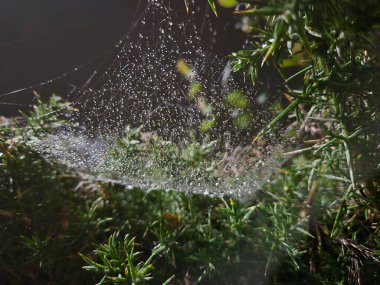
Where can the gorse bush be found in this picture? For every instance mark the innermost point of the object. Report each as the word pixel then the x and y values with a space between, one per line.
pixel 325 52
pixel 316 221
pixel 49 215
pixel 329 47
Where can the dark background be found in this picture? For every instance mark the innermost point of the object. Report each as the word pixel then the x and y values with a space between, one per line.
pixel 45 39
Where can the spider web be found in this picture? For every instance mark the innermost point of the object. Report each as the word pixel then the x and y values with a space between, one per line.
pixel 141 86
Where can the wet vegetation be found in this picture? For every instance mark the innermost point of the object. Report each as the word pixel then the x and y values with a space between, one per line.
pixel 315 220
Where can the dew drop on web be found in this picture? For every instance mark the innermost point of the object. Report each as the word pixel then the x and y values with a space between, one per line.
pixel 142 87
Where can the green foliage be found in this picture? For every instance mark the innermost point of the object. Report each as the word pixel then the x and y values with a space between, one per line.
pixel 317 220
pixel 326 54
pixel 138 153
pixel 179 237
pixel 118 262
pixel 46 117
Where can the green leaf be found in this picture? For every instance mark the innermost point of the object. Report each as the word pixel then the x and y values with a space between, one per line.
pixel 93 264
pixel 206 125
pixel 236 100
pixel 278 29
pixel 227 3
pixel 213 7
pixel 194 89
pixel 243 120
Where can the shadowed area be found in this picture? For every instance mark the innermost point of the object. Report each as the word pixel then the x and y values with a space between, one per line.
pixel 47 39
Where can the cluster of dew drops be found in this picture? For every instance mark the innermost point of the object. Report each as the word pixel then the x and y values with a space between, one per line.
pixel 143 87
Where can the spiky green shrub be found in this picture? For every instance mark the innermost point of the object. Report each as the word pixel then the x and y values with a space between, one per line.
pixel 316 222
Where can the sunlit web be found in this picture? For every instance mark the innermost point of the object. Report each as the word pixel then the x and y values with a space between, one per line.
pixel 141 86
